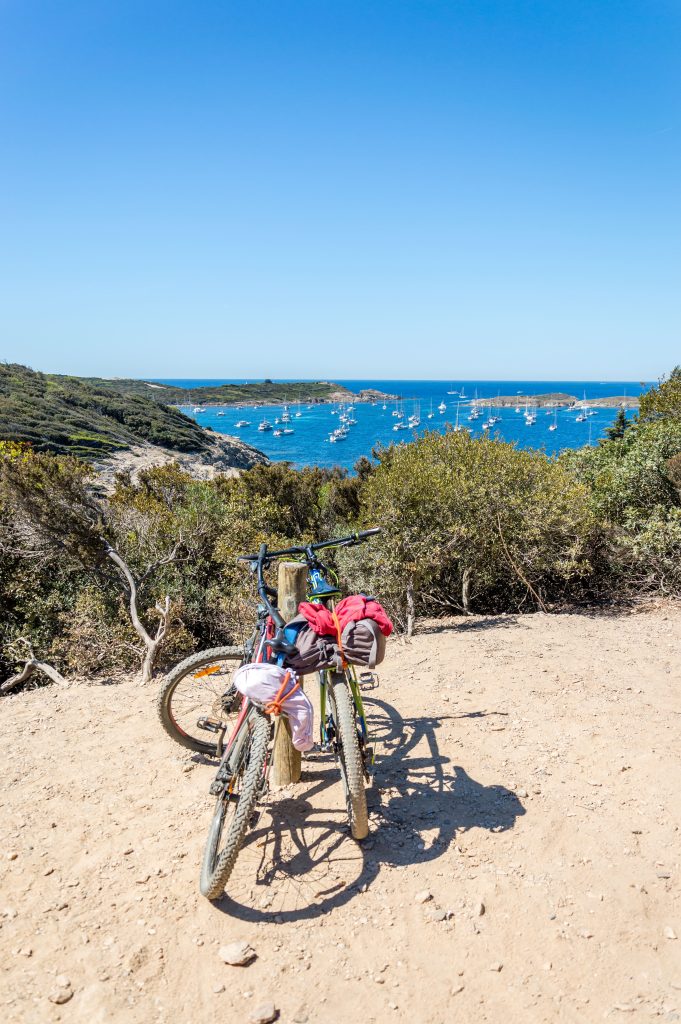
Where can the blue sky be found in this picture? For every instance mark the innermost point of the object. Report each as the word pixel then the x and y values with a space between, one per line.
pixel 460 189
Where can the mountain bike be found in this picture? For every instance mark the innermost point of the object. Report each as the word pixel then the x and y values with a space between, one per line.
pixel 245 759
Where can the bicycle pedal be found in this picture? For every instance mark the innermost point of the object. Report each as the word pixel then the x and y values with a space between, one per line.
pixel 368 681
pixel 210 725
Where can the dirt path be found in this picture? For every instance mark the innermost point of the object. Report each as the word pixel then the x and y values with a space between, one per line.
pixel 530 767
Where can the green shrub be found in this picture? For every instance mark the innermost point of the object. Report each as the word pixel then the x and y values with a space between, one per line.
pixel 664 401
pixel 472 524
pixel 634 486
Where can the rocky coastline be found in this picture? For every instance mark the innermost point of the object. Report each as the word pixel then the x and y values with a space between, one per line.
pixel 222 455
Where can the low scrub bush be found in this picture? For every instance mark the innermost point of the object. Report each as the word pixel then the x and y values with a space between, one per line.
pixel 472 525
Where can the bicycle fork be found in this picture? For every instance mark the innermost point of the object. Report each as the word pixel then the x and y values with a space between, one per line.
pixel 328 726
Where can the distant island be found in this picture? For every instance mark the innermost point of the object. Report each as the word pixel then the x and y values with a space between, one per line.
pixel 559 400
pixel 265 392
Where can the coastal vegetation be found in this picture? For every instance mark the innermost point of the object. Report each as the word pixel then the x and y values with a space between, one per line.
pixel 559 400
pixel 72 416
pixel 140 576
pixel 264 392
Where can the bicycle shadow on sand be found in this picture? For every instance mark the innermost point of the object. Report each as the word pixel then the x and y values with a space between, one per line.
pixel 299 861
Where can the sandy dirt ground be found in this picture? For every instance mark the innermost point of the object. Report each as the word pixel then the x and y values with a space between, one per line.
pixel 528 779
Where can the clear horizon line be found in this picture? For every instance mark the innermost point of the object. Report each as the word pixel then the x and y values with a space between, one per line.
pixel 397 380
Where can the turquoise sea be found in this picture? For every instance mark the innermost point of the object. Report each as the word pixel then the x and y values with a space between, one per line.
pixel 309 443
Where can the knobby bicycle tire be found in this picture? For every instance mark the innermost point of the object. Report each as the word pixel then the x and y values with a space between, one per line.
pixel 217 867
pixel 170 684
pixel 350 757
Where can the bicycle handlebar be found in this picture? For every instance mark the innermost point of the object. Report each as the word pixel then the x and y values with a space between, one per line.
pixel 353 538
pixel 263 558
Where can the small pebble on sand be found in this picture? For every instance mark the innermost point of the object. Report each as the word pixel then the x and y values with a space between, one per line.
pixel 237 954
pixel 60 995
pixel 264 1014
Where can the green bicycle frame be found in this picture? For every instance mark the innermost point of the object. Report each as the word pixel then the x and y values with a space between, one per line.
pixel 350 674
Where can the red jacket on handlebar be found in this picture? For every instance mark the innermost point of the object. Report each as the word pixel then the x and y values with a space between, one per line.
pixel 349 609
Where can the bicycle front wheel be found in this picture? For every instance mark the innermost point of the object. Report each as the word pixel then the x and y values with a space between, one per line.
pixel 352 771
pixel 235 805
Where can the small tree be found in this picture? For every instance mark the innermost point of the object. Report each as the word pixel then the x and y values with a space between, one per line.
pixel 619 427
pixel 56 510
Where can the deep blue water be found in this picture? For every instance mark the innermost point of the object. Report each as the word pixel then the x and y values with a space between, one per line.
pixel 309 444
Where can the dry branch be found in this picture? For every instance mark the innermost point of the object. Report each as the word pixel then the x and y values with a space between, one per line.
pixel 31 666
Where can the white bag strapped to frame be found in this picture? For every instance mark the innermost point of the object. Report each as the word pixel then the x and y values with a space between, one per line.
pixel 262 683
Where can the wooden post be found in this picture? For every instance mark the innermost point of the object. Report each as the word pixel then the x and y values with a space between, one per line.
pixel 292 588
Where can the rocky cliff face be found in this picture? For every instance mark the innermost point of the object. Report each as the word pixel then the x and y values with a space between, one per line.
pixel 223 454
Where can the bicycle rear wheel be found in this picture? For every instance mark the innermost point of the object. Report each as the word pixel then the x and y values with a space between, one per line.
pixel 200 687
pixel 235 805
pixel 350 756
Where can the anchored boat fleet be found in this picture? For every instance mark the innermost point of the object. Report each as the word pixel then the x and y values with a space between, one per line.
pixel 408 417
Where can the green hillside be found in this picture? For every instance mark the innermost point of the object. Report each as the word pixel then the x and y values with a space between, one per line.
pixel 264 392
pixel 70 415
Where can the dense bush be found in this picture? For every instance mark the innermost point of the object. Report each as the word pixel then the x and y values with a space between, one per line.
pixel 664 401
pixel 633 485
pixel 177 536
pixel 472 524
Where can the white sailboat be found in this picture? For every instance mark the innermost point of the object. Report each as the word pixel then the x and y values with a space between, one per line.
pixel 415 418
pixel 442 408
pixel 431 413
pixel 457 425
pixel 476 411
pixel 554 425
